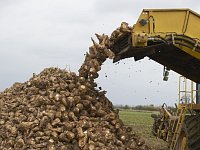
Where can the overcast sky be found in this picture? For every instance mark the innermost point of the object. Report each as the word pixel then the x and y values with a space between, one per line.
pixel 36 34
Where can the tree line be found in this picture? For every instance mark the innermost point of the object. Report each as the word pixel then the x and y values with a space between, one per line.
pixel 150 107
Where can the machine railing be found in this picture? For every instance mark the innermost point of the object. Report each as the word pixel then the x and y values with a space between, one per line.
pixel 187 91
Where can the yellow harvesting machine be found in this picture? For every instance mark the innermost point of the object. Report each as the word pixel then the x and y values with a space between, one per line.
pixel 170 37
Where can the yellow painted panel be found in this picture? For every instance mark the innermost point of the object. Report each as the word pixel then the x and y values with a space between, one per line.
pixel 169 21
pixel 164 21
pixel 193 27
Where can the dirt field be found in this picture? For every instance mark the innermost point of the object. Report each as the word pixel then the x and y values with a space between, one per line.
pixel 141 122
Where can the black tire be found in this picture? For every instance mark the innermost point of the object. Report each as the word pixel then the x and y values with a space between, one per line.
pixel 190 134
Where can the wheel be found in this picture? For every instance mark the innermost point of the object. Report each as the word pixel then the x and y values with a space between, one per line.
pixel 182 141
pixel 189 138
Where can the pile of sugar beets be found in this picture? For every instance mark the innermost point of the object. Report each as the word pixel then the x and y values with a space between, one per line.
pixel 59 110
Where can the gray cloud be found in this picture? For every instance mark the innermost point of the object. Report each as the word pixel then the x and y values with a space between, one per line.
pixel 36 34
